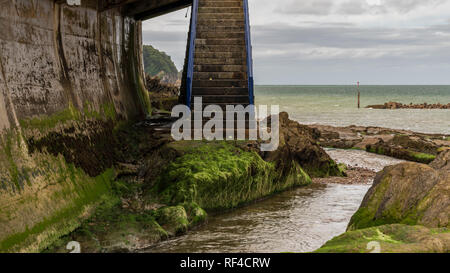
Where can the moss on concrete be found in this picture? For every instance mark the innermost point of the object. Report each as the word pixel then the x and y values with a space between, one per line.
pixel 134 73
pixel 394 238
pixel 44 192
pixel 43 123
pixel 76 191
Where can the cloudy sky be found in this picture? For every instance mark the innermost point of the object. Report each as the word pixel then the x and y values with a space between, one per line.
pixel 334 41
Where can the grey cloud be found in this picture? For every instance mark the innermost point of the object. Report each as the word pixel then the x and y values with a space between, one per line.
pixel 320 51
pixel 353 7
pixel 405 6
pixel 166 36
pixel 358 7
pixel 347 37
pixel 310 7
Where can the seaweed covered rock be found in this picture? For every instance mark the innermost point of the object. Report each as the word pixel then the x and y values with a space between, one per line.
pixel 407 193
pixel 173 219
pixel 401 144
pixel 394 238
pixel 221 175
pixel 114 229
pixel 298 143
pixel 405 147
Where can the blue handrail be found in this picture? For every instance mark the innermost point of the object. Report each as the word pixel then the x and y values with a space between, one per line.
pixel 190 69
pixel 248 42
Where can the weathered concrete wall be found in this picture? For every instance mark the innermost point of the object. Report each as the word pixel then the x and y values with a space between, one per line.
pixel 68 75
pixel 53 55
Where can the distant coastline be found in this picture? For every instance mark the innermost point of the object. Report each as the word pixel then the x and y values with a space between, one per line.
pixel 397 105
pixel 337 105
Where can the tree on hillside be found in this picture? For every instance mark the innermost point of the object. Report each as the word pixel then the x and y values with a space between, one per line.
pixel 158 63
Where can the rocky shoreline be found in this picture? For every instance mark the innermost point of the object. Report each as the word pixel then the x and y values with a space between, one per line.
pixel 353 176
pixel 156 198
pixel 165 188
pixel 407 210
pixel 397 105
pixel 163 96
pixel 401 144
pixel 160 188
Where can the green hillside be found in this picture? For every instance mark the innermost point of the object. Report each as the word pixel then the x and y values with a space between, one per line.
pixel 158 63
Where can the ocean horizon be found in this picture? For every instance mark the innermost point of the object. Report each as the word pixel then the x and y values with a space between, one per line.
pixel 336 105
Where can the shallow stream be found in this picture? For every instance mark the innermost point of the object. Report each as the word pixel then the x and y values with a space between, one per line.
pixel 299 220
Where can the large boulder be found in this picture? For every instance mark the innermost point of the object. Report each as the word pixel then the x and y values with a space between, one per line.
pixel 393 238
pixel 299 143
pixel 408 193
pixel 442 162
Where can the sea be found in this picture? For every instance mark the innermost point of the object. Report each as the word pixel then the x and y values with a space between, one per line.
pixel 337 105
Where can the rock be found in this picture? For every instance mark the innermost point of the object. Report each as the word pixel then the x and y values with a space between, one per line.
pixel 377 106
pixel 173 219
pixel 162 95
pixel 390 239
pixel 366 141
pixel 406 211
pixel 221 175
pixel 417 151
pixel 354 175
pixel 398 105
pixel 297 142
pixel 407 193
pixel 401 144
pixel 442 162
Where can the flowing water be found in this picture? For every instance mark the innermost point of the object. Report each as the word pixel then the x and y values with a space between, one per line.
pixel 337 105
pixel 299 220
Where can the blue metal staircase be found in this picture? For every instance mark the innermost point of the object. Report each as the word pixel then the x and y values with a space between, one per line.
pixel 219 59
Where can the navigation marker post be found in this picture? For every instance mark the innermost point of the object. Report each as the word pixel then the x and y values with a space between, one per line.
pixel 359 97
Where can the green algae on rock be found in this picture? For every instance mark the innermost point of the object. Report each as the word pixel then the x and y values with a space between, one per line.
pixel 395 238
pixel 219 175
pixel 406 210
pixel 407 193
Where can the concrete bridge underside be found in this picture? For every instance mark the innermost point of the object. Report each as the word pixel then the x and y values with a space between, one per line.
pixel 54 55
pixel 68 75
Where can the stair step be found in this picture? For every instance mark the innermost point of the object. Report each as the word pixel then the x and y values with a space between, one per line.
pixel 216 41
pixel 216 61
pixel 217 91
pixel 220 10
pixel 214 55
pixel 220 16
pixel 221 83
pixel 231 99
pixel 220 68
pixel 220 76
pixel 221 22
pixel 228 4
pixel 220 35
pixel 219 28
pixel 219 48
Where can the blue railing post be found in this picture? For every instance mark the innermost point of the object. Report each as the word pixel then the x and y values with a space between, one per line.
pixel 190 69
pixel 248 42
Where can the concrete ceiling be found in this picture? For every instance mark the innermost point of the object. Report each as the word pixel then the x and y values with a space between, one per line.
pixel 146 9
